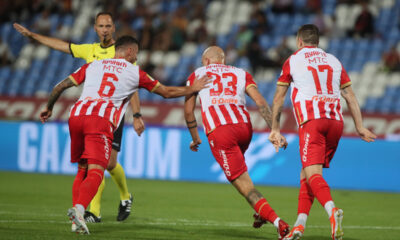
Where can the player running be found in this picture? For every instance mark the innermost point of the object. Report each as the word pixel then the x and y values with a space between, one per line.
pixel 228 127
pixel 105 28
pixel 93 118
pixel 317 79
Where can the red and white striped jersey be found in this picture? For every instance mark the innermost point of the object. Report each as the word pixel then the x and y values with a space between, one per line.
pixel 108 86
pixel 223 102
pixel 316 78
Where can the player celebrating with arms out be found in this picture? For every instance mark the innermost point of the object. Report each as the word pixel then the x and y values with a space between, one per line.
pixel 228 127
pixel 105 28
pixel 108 85
pixel 317 79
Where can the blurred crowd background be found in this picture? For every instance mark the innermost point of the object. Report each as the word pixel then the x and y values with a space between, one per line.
pixel 256 35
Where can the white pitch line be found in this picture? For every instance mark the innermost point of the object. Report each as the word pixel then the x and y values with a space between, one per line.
pixel 188 222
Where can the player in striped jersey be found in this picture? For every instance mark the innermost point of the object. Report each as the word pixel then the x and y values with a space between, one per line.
pixel 227 124
pixel 317 79
pixel 108 86
pixel 104 27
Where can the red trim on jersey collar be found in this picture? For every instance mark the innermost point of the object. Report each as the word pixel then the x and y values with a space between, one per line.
pixel 302 49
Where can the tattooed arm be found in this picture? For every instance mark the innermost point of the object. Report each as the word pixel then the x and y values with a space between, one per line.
pixel 45 114
pixel 277 106
pixel 190 104
pixel 275 137
pixel 262 105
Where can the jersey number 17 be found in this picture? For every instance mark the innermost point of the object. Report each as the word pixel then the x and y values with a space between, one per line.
pixel 322 68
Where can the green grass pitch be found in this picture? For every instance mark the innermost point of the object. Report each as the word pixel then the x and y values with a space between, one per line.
pixel 34 206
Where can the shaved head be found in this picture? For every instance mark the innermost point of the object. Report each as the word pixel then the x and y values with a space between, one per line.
pixel 213 54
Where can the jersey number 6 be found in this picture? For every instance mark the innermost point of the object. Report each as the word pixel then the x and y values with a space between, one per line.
pixel 107 81
pixel 228 91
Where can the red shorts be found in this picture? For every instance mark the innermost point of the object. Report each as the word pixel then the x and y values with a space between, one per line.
pixel 228 144
pixel 91 138
pixel 319 139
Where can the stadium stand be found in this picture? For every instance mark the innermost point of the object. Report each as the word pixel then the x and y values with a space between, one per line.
pixel 180 30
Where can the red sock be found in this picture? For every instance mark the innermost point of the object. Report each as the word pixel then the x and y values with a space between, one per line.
pixel 90 186
pixel 306 197
pixel 80 176
pixel 320 189
pixel 263 208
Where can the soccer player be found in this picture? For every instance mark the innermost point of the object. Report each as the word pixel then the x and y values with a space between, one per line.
pixel 108 84
pixel 105 28
pixel 228 127
pixel 317 79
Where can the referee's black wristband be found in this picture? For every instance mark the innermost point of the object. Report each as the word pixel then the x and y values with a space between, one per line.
pixel 137 115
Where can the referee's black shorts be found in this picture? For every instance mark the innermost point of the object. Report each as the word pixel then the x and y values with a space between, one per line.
pixel 116 144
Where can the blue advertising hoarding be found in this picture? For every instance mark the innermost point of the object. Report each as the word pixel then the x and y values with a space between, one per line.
pixel 163 153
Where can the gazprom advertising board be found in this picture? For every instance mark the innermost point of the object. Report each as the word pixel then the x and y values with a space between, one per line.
pixel 163 153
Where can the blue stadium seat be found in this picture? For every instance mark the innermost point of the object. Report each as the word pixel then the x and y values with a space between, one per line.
pixel 299 4
pixel 223 40
pixel 375 55
pixel 16 82
pixel 328 7
pixel 243 62
pixel 137 23
pixel 5 73
pixel 54 20
pixel 5 31
pixel 265 41
pixel 68 20
pixel 371 105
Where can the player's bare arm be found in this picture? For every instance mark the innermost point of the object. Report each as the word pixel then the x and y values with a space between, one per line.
pixel 352 103
pixel 275 136
pixel 191 123
pixel 45 114
pixel 138 123
pixel 54 43
pixel 173 92
pixel 261 103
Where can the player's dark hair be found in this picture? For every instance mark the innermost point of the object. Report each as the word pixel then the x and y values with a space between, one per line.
pixel 309 33
pixel 104 13
pixel 124 41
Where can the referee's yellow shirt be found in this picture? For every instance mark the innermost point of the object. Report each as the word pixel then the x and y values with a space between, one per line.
pixel 91 52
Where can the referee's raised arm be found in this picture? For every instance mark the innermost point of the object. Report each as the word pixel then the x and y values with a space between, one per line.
pixel 51 42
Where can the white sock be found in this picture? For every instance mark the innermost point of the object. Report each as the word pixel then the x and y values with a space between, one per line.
pixel 328 207
pixel 276 222
pixel 80 208
pixel 301 220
